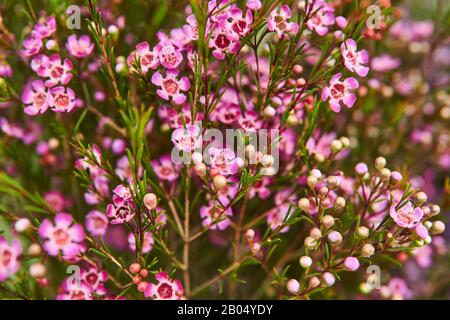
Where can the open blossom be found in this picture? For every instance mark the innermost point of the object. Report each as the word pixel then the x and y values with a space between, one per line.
pixel 9 258
pixel 64 235
pixel 187 139
pixel 32 44
pixel 223 41
pixel 53 68
pixel 148 58
pixel 165 169
pixel 169 56
pixel 340 92
pixel 224 160
pixel 165 289
pixel 353 59
pixel 278 21
pixel 81 47
pixel 70 290
pixel 56 200
pixel 122 209
pixel 277 215
pixel 170 86
pixel 147 245
pixel 236 21
pixel 45 27
pixel 215 217
pixel 35 97
pixel 407 216
pixel 191 28
pixel 323 17
pixel 61 99
pixel 96 223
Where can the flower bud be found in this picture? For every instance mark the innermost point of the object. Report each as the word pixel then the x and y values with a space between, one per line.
pixel 269 112
pixel 336 146
pixel 385 174
pixel 135 267
pixel 291 120
pixel 316 173
pixel 37 270
pixel 333 182
pixel 434 210
pixel 143 273
pixel 150 201
pixel 420 198
pixel 219 182
pixel 298 69
pixel 328 221
pixel 303 204
pixel 335 238
pixel 396 177
pixel 362 232
pixel 345 142
pixel 314 282
pixel 250 151
pixel 380 163
pixel 305 261
pixel 214 172
pixel 293 286
pixel 256 247
pixel 200 169
pixel 142 286
pixel 250 234
pixel 351 264
pixel 34 249
pixel 319 157
pixel 323 191
pixel 367 250
pixel 269 171
pixel 310 243
pixel 427 240
pixel 137 279
pixel 428 224
pixel 267 160
pixel 328 279
pixel 22 225
pixel 361 169
pixel 315 233
pixel 311 181
pixel 339 203
pixel 438 227
pixel 197 157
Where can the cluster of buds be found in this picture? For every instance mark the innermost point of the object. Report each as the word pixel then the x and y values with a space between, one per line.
pixel 139 274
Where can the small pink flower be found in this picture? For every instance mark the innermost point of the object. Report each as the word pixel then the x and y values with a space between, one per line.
pixel 147 245
pixel 35 96
pixel 56 200
pixel 32 44
pixel 215 217
pixel 278 21
pixel 351 264
pixel 165 169
pixel 223 41
pixel 191 28
pixel 64 236
pixel 148 58
pixel 54 68
pixel 61 99
pixel 5 70
pixel 254 5
pixel 323 17
pixel 9 258
pixel 169 56
pixel 79 48
pixel 95 279
pixel 96 223
pixel 339 92
pixel 237 22
pixel 384 63
pixel 399 289
pixel 166 289
pixel 122 209
pixel 187 139
pixel 225 160
pixel 407 216
pixel 353 59
pixel 45 27
pixel 277 215
pixel 171 86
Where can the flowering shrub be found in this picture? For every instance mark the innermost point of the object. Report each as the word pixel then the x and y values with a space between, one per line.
pixel 117 181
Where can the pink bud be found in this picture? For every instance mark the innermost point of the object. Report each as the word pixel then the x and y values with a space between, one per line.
pixel 150 201
pixel 135 267
pixel 351 263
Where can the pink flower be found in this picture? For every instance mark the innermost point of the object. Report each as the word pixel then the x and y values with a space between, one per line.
pixel 215 217
pixel 54 68
pixel 165 169
pixel 79 48
pixel 9 258
pixel 407 216
pixel 276 216
pixel 171 86
pixel 351 264
pixel 95 278
pixel 323 17
pixel 5 70
pixel 339 91
pixel 56 200
pixel 169 56
pixel 45 27
pixel 260 188
pixel 191 28
pixel 224 160
pixel 147 245
pixel 35 96
pixel 278 21
pixel 148 58
pixel 96 223
pixel 353 59
pixel 61 99
pixel 223 41
pixel 384 63
pixel 32 44
pixel 236 22
pixel 122 208
pixel 64 236
pixel 187 139
pixel 399 289
pixel 91 164
pixel 70 290
pixel 254 5
pixel 166 289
